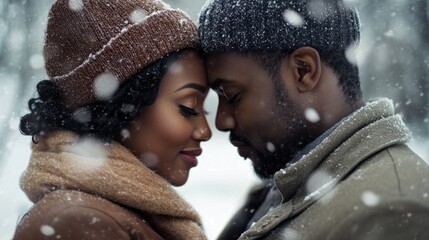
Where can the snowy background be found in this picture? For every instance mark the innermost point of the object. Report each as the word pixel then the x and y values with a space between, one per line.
pixel 394 61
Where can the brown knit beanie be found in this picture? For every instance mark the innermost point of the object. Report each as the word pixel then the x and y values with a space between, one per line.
pixel 93 46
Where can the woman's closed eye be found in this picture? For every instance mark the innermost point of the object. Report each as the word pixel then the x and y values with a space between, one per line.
pixel 188 112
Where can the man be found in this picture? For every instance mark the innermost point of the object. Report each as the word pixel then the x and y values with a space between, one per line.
pixel 289 94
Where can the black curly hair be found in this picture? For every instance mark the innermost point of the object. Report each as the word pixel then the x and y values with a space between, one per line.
pixel 103 119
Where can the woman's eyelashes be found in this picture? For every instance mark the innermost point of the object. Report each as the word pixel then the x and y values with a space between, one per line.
pixel 188 112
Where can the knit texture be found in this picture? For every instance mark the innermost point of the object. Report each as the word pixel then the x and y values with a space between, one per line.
pixel 109 38
pixel 251 25
pixel 64 161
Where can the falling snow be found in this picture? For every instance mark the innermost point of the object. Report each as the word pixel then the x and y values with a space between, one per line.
pixel 47 230
pixel 389 33
pixel 82 115
pixel 391 53
pixel 138 16
pixel 76 5
pixel 149 159
pixel 94 220
pixel 312 115
pixel 352 53
pixel 318 183
pixel 271 147
pixel 128 108
pixel 125 134
pixel 105 85
pixel 319 9
pixel 293 18
pixel 370 199
pixel 85 149
pixel 175 68
pixel 290 234
pixel 37 61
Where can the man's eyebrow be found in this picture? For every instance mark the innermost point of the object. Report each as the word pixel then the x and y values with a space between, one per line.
pixel 196 86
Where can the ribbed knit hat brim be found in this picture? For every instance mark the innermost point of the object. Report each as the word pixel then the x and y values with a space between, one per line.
pixel 251 25
pixel 127 49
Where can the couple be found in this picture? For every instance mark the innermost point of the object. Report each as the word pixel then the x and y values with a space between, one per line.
pixel 121 120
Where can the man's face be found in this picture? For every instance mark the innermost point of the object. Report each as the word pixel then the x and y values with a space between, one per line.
pixel 263 122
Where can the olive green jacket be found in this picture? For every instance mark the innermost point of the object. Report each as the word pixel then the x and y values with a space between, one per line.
pixel 360 182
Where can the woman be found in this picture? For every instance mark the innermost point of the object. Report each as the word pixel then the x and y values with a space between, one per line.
pixel 120 119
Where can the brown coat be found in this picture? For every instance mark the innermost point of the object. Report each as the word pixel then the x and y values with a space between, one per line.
pixel 365 184
pixel 66 214
pixel 85 188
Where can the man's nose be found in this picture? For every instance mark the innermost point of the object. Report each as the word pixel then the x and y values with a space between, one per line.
pixel 224 119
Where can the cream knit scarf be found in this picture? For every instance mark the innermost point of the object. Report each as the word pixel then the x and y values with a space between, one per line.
pixel 64 161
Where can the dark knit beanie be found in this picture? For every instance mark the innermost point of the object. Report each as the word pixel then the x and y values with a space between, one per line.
pixel 93 46
pixel 251 25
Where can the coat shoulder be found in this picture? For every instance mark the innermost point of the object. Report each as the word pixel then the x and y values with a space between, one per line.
pixel 391 220
pixel 395 172
pixel 76 215
pixel 409 165
pixel 390 190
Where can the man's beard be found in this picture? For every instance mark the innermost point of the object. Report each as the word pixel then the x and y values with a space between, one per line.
pixel 292 138
pixel 270 163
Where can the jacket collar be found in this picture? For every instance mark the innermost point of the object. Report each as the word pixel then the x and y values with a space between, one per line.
pixel 365 132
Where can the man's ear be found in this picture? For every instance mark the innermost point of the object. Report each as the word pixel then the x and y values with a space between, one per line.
pixel 306 68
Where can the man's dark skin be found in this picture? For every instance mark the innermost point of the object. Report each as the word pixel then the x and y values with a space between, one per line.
pixel 290 96
pixel 264 128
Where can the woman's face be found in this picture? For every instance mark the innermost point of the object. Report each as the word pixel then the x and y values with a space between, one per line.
pixel 166 136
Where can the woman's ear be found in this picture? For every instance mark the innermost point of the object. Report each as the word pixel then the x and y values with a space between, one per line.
pixel 306 67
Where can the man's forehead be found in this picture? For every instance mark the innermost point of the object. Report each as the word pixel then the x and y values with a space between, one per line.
pixel 220 70
pixel 229 67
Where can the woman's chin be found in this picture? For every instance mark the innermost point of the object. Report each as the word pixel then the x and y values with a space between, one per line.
pixel 179 179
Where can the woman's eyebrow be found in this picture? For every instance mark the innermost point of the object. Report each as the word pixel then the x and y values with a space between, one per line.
pixel 196 86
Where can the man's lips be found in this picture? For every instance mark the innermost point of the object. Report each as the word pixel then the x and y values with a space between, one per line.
pixel 190 156
pixel 237 143
pixel 243 148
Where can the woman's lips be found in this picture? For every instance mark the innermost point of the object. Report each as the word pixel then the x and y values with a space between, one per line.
pixel 190 156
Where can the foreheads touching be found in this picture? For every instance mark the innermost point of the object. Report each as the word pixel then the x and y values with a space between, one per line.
pixel 346 72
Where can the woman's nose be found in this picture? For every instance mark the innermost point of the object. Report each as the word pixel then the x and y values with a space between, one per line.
pixel 202 131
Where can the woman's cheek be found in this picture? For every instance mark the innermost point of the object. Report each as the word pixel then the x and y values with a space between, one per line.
pixel 175 128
